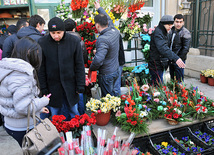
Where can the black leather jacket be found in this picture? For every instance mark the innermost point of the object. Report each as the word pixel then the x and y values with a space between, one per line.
pixel 181 42
pixel 159 48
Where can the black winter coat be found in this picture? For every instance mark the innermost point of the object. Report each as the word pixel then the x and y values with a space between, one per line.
pixel 62 69
pixel 29 31
pixel 159 48
pixel 181 42
pixel 8 45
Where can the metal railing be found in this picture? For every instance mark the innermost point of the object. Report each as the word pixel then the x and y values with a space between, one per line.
pixel 200 22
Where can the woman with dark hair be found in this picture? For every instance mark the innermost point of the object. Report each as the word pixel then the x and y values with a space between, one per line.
pixel 19 87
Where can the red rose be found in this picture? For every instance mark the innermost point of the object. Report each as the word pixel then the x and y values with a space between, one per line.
pixel 175 116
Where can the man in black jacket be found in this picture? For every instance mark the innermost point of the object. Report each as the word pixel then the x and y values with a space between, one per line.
pixel 160 53
pixel 62 71
pixel 180 39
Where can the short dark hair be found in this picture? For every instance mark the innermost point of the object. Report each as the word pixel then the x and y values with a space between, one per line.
pixel 70 24
pixel 35 19
pixel 21 22
pixel 101 19
pixel 179 16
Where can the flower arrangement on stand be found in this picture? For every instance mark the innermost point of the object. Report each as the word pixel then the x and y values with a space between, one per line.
pixel 63 11
pixel 78 7
pixel 75 124
pixel 103 107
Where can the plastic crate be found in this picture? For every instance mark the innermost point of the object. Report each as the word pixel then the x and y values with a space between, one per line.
pixel 203 128
pixel 164 137
pixel 184 132
pixel 144 145
pixel 210 125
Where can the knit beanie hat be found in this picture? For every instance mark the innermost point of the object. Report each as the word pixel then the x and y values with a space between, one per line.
pixel 167 19
pixel 56 24
pixel 12 29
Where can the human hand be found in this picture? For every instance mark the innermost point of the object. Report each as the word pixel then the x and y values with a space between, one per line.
pixel 45 110
pixel 97 4
pixel 180 63
pixel 94 51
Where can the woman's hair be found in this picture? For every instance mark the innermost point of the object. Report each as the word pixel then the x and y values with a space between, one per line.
pixel 28 50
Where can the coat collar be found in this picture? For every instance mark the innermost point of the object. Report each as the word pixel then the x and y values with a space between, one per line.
pixel 63 38
pixel 105 30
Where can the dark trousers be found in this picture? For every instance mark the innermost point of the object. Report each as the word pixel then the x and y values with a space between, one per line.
pixel 176 72
pixel 17 135
pixel 156 77
pixel 107 83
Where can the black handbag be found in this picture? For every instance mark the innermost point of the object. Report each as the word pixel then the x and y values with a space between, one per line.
pixel 164 63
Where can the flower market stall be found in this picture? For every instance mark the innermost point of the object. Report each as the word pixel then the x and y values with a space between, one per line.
pixel 161 117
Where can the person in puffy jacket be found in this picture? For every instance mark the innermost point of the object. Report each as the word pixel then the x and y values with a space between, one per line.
pixel 19 88
pixel 160 53
pixel 180 39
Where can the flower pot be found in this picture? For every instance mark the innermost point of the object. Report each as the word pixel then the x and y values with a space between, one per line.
pixel 103 118
pixel 172 121
pixel 203 79
pixel 211 81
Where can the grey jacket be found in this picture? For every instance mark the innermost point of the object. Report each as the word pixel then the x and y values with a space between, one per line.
pixel 17 90
pixel 107 50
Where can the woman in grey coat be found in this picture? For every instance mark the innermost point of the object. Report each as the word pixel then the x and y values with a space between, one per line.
pixel 19 87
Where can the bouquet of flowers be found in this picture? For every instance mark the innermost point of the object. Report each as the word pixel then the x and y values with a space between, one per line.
pixel 62 10
pixel 118 9
pixel 77 7
pixel 105 104
pixel 75 124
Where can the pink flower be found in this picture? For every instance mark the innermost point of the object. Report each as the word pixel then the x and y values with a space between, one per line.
pixel 156 100
pixel 144 25
pixel 118 113
pixel 201 93
pixel 99 111
pixel 144 106
pixel 145 29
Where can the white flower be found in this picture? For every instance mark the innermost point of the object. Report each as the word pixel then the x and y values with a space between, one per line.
pixel 156 94
pixel 165 109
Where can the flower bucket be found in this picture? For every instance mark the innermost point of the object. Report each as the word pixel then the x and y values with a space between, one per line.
pixel 203 79
pixel 103 118
pixel 211 81
pixel 172 121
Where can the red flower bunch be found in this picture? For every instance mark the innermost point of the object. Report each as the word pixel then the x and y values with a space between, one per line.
pixel 75 124
pixel 173 113
pixel 90 46
pixel 79 4
pixel 136 6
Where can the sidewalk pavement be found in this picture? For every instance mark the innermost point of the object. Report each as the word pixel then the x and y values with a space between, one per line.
pixel 8 146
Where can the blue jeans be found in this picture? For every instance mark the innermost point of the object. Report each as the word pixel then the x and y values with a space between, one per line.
pixel 17 135
pixel 156 77
pixel 117 84
pixel 66 110
pixel 176 72
pixel 106 83
pixel 81 104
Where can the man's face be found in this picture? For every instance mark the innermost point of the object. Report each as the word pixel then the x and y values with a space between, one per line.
pixel 168 27
pixel 97 27
pixel 57 35
pixel 40 28
pixel 178 23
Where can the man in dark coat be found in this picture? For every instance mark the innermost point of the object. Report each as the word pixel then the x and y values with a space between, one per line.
pixel 180 39
pixel 62 71
pixel 107 52
pixel 10 41
pixel 35 28
pixel 160 53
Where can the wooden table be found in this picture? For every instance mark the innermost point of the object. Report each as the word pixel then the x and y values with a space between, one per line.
pixel 156 126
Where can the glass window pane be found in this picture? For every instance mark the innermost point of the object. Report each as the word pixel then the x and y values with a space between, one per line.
pixel 51 1
pixel 148 3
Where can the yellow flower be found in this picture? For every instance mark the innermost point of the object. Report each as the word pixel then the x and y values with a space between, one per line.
pixel 164 144
pixel 84 17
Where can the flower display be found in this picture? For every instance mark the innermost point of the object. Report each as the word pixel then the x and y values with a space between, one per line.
pixel 208 73
pixel 105 104
pixel 166 149
pixel 118 9
pixel 207 138
pixel 142 73
pixel 63 11
pixel 136 6
pixel 189 145
pixel 77 7
pixel 75 124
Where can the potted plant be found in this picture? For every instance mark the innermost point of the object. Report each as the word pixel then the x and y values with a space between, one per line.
pixel 210 75
pixel 203 78
pixel 102 108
